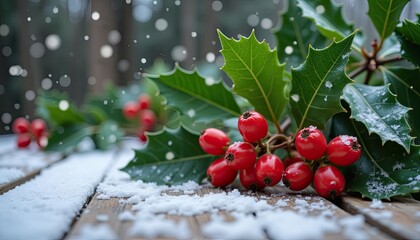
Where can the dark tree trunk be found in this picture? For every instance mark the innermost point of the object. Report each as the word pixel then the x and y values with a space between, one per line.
pixel 103 69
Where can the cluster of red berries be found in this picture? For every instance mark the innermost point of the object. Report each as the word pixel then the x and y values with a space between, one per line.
pixel 328 180
pixel 141 110
pixel 259 168
pixel 255 171
pixel 26 131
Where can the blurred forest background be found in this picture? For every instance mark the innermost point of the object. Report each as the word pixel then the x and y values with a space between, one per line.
pixel 79 46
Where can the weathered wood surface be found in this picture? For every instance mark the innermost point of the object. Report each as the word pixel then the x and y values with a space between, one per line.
pixel 399 218
pixel 396 219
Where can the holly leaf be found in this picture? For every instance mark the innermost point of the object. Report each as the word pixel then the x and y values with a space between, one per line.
pixel 385 15
pixel 409 36
pixel 63 138
pixel 200 99
pixel 378 109
pixel 294 35
pixel 327 18
pixel 256 73
pixel 410 30
pixel 383 171
pixel 109 133
pixel 406 85
pixel 57 109
pixel 317 84
pixel 170 157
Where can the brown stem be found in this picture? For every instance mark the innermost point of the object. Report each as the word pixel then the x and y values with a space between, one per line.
pixel 358 71
pixel 389 60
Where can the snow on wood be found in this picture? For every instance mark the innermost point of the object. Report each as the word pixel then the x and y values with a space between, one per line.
pixel 45 207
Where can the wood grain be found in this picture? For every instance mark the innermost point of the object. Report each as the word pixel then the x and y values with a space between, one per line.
pixel 398 218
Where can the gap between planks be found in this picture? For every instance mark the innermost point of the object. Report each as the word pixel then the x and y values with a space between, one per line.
pixel 31 174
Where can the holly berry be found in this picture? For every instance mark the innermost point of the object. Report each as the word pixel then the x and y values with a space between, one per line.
pixel 21 125
pixel 42 141
pixel 38 127
pixel 293 158
pixel 297 176
pixel 219 174
pixel 130 110
pixel 310 143
pixel 142 136
pixel 147 119
pixel 144 102
pixel 252 126
pixel 343 150
pixel 269 169
pixel 214 141
pixel 23 140
pixel 329 182
pixel 240 155
pixel 249 181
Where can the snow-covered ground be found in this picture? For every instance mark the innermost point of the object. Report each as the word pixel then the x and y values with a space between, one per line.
pixel 45 207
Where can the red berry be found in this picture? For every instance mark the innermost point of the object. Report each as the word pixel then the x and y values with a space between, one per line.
pixel 147 119
pixel 343 150
pixel 297 176
pixel 130 110
pixel 249 181
pixel 38 127
pixel 252 126
pixel 142 136
pixel 42 141
pixel 219 174
pixel 293 158
pixel 144 101
pixel 310 143
pixel 269 169
pixel 23 140
pixel 214 141
pixel 21 125
pixel 329 182
pixel 240 155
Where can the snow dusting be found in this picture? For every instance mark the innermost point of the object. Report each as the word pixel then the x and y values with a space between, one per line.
pixel 254 218
pixel 101 231
pixel 44 207
pixel 376 203
pixel 328 84
pixel 10 174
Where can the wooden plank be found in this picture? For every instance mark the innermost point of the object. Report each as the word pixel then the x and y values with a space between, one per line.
pixel 296 201
pixel 399 218
pixel 19 160
pixel 305 203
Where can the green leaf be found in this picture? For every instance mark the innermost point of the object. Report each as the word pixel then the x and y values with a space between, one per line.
pixel 410 30
pixel 69 136
pixel 385 15
pixel 295 34
pixel 405 83
pixel 317 84
pixel 378 109
pixel 409 36
pixel 200 99
pixel 383 171
pixel 327 18
pixel 58 109
pixel 108 134
pixel 256 73
pixel 170 157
